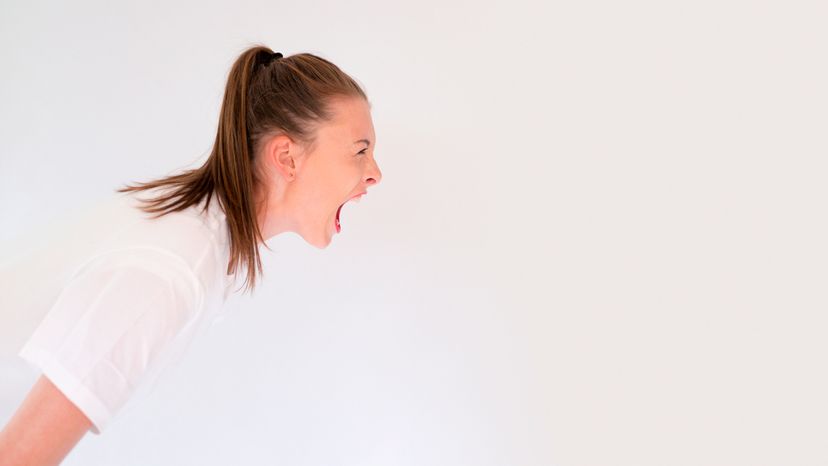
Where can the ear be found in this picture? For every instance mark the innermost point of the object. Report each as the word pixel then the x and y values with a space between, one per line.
pixel 280 153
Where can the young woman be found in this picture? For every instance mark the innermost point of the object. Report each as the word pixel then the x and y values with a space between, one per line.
pixel 295 142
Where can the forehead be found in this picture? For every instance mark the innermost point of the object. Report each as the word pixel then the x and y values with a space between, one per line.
pixel 352 121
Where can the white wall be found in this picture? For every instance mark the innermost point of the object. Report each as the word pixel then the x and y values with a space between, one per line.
pixel 600 238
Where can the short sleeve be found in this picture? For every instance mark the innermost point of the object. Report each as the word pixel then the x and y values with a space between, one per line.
pixel 113 326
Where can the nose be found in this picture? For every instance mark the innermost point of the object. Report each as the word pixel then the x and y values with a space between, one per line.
pixel 374 175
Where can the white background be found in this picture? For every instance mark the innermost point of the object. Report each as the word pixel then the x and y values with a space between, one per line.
pixel 600 238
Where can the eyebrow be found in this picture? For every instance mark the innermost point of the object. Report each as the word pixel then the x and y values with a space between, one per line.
pixel 363 140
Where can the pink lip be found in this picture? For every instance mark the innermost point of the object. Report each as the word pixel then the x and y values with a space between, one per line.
pixel 360 194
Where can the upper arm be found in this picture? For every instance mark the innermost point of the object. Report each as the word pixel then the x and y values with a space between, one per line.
pixel 111 330
pixel 44 429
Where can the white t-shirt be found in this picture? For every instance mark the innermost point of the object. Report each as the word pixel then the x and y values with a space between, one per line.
pixel 110 300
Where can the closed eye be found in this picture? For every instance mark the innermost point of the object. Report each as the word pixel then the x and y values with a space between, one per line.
pixel 362 151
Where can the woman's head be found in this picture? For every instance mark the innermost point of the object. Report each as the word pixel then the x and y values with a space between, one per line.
pixel 300 187
pixel 287 154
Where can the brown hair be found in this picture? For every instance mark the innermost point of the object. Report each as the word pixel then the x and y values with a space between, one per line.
pixel 263 97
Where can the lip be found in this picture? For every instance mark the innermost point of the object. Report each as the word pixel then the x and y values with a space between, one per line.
pixel 357 196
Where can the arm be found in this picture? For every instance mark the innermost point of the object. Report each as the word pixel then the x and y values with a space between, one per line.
pixel 43 430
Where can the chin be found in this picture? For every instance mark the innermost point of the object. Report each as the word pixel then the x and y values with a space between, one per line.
pixel 318 242
pixel 321 246
pixel 319 239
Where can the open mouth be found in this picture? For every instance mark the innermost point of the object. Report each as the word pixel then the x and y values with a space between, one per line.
pixel 339 210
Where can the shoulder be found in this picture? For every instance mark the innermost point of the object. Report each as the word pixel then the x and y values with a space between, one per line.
pixel 140 273
pixel 122 317
pixel 189 238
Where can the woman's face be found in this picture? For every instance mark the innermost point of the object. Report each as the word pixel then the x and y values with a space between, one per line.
pixel 306 188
